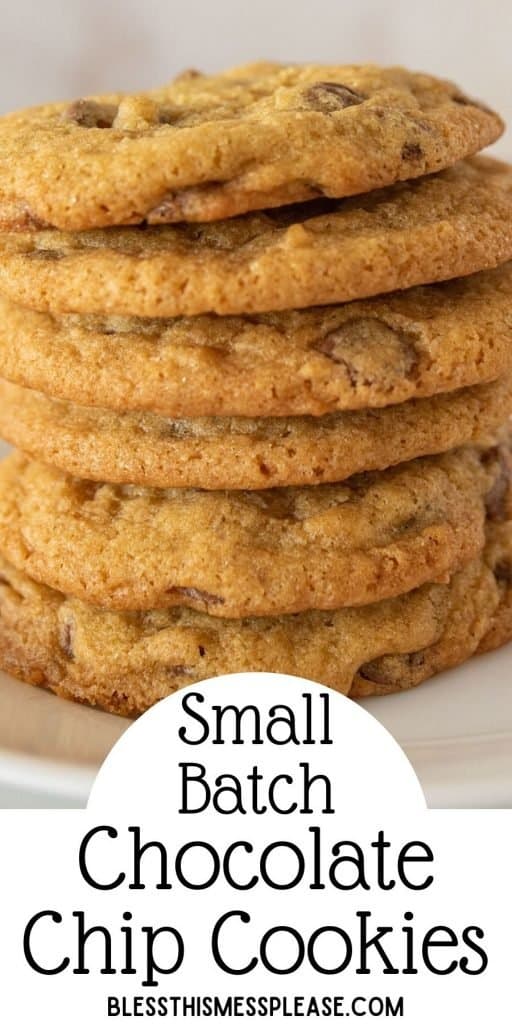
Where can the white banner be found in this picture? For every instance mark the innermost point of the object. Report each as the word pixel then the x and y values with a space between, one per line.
pixel 256 847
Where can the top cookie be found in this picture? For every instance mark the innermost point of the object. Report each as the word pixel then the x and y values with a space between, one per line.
pixel 442 226
pixel 208 147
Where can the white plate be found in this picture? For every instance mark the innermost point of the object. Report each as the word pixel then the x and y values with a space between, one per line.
pixel 456 730
pixel 50 748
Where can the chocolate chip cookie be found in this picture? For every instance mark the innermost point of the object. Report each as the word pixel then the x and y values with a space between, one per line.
pixel 232 553
pixel 240 453
pixel 208 147
pixel 367 354
pixel 126 662
pixel 431 229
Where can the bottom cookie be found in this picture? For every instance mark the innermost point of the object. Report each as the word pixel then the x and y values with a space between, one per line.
pixel 125 662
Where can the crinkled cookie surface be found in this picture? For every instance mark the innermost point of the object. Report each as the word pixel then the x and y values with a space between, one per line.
pixel 208 147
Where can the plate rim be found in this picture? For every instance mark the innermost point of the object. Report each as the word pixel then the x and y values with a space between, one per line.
pixel 475 770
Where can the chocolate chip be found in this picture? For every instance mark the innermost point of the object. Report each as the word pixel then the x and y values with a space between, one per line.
pixel 66 639
pixel 412 151
pixel 330 96
pixel 196 595
pixel 498 497
pixel 372 672
pixel 370 350
pixel 90 114
pixel 4 582
pixel 175 206
pixel 503 572
pixel 388 670
pixel 118 701
pixel 89 489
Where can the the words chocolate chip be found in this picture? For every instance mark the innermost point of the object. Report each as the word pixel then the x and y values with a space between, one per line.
pixel 329 96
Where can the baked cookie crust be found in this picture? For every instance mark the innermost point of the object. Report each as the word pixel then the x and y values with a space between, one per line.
pixel 206 147
pixel 432 229
pixel 126 662
pixel 234 554
pixel 239 453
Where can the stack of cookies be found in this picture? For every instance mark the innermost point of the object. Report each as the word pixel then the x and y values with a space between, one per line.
pixel 256 356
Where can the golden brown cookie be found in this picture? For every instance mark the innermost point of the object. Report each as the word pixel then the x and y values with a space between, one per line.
pixel 391 673
pixel 432 229
pixel 479 620
pixel 207 147
pixel 500 631
pixel 499 554
pixel 218 453
pixel 248 552
pixel 127 662
pixel 367 354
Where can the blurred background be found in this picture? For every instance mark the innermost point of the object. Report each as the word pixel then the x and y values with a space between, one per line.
pixel 65 48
